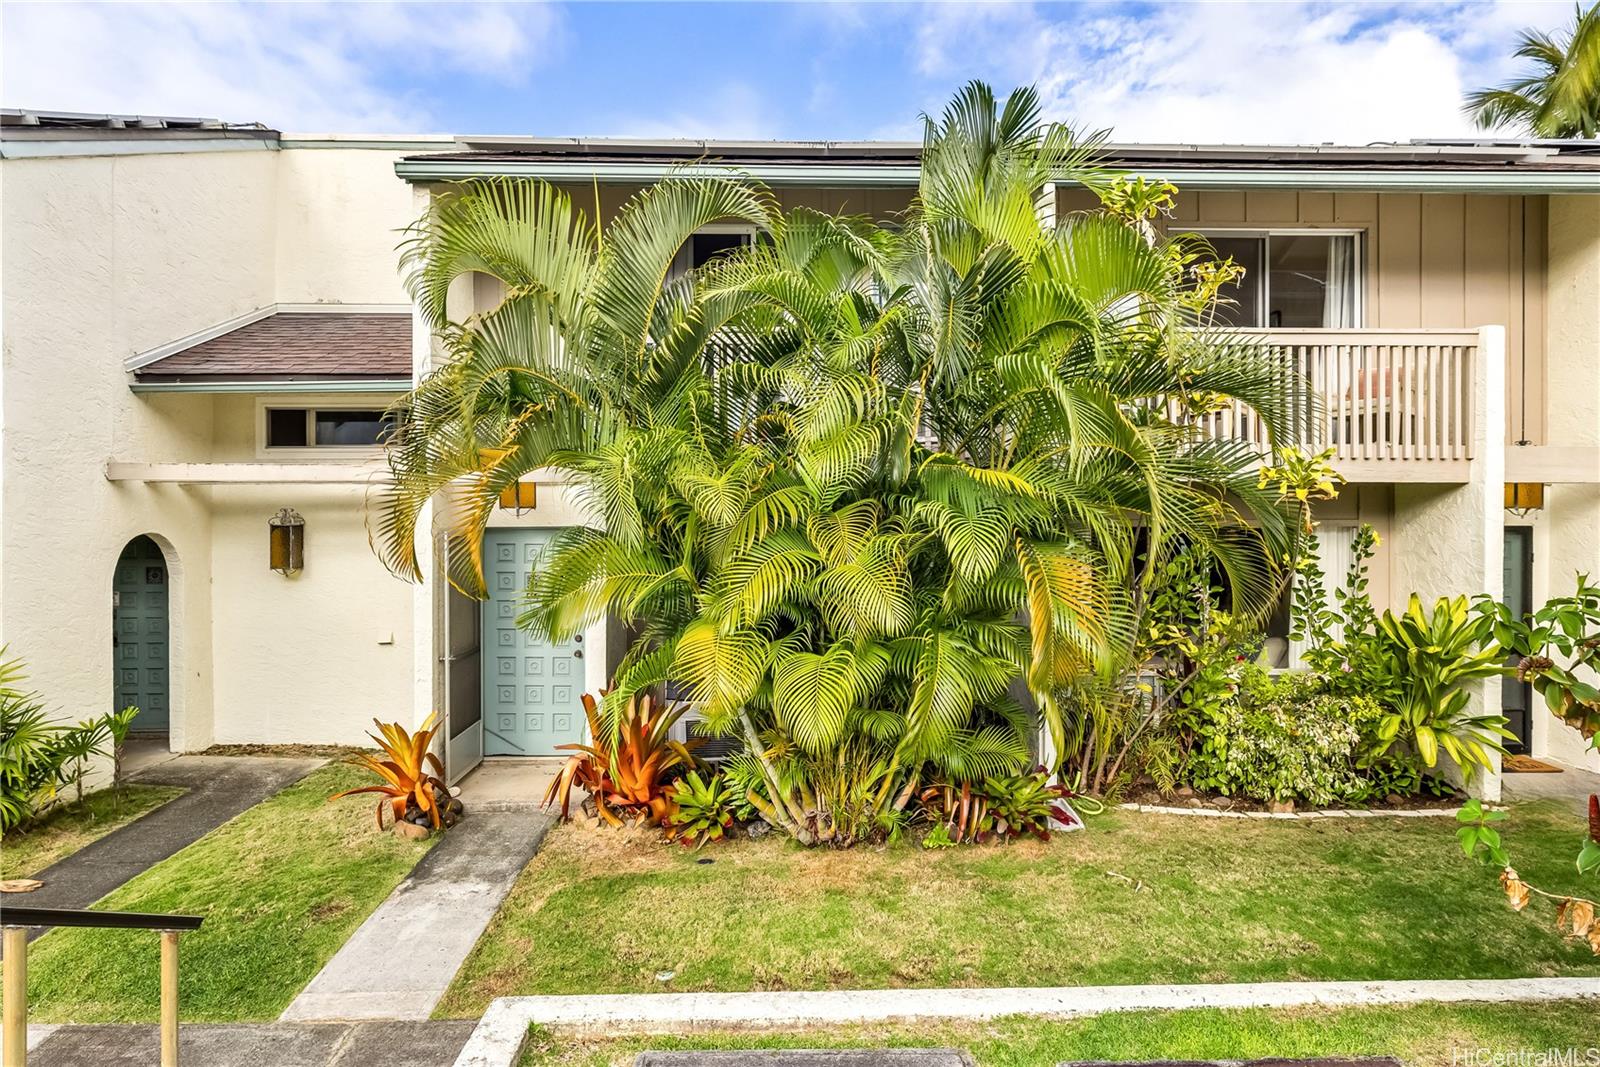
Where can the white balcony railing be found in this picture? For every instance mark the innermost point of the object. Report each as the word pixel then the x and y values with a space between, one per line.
pixel 1374 395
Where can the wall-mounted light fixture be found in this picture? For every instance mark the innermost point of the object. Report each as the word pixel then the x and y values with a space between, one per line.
pixel 286 533
pixel 1524 497
pixel 522 496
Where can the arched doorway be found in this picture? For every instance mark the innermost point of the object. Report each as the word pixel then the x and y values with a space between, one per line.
pixel 141 636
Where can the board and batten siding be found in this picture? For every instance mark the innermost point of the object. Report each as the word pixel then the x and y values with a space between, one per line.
pixel 1432 261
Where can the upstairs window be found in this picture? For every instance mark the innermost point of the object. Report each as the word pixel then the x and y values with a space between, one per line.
pixel 326 427
pixel 1305 279
pixel 705 245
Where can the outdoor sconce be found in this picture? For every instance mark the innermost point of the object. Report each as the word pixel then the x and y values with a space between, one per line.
pixel 286 532
pixel 522 496
pixel 1523 497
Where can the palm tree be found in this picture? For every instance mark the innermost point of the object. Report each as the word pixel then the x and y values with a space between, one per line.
pixel 1560 96
pixel 895 491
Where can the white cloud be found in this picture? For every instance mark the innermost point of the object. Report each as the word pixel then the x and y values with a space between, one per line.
pixel 1277 72
pixel 731 111
pixel 304 67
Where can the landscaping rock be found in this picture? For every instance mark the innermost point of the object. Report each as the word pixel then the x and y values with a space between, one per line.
pixel 1281 807
pixel 1194 802
pixel 1394 800
pixel 1183 791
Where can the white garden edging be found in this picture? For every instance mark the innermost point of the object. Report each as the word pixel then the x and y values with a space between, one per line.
pixel 1339 813
pixel 499 1037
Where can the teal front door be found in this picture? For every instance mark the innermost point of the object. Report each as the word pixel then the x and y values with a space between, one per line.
pixel 532 689
pixel 139 634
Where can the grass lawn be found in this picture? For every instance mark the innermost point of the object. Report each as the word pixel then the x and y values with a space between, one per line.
pixel 1429 1035
pixel 281 887
pixel 71 826
pixel 1137 899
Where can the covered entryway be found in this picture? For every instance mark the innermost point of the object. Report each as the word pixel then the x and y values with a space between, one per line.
pixel 140 636
pixel 532 689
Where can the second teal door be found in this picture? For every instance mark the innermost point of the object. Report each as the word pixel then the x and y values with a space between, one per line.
pixel 532 688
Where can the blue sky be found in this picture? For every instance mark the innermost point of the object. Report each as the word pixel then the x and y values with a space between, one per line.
pixel 1289 71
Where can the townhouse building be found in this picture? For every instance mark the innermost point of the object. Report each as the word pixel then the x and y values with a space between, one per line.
pixel 203 325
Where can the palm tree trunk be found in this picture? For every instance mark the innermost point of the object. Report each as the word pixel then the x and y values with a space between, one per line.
pixel 791 823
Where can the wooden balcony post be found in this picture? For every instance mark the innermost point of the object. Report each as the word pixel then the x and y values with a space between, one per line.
pixel 16 994
pixel 169 998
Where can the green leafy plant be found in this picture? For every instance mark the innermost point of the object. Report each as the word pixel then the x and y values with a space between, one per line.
pixel 702 810
pixel 41 758
pixel 1568 627
pixel 1559 95
pixel 1026 804
pixel 1429 657
pixel 1480 839
pixel 1292 739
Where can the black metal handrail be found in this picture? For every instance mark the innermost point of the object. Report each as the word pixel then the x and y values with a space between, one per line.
pixel 110 920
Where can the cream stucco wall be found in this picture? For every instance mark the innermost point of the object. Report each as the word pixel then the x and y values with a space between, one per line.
pixel 99 258
pixel 339 216
pixel 105 257
pixel 1567 531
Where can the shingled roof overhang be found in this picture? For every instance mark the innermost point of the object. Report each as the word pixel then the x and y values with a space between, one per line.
pixel 287 351
pixel 1529 167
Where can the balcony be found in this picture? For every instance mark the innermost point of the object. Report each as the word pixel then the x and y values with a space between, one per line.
pixel 1395 405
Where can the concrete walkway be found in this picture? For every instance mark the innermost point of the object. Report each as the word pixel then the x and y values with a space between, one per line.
pixel 1572 786
pixel 432 919
pixel 219 787
pixel 414 1044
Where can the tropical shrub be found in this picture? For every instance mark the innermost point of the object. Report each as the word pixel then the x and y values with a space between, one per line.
pixel 856 487
pixel 1026 804
pixel 626 770
pixel 39 758
pixel 702 810
pixel 1427 658
pixel 412 783
pixel 1296 741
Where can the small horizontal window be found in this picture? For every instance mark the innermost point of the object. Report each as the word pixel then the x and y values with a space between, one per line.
pixel 326 427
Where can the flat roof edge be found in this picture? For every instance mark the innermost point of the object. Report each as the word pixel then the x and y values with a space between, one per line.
pixel 1433 180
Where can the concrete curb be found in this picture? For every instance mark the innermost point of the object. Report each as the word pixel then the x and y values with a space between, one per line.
pixel 1342 813
pixel 498 1040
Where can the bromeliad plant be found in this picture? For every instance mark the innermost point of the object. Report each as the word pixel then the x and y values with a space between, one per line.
pixel 702 810
pixel 1028 803
pixel 413 776
pixel 627 771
